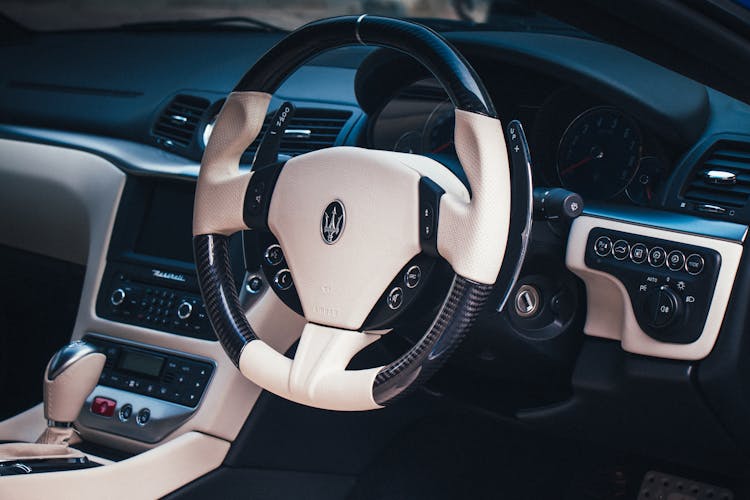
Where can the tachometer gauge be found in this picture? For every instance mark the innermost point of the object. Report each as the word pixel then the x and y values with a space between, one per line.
pixel 599 153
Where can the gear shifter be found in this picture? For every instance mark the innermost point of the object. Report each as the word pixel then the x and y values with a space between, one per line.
pixel 71 375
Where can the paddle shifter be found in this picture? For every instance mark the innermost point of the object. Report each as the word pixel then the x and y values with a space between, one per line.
pixel 71 375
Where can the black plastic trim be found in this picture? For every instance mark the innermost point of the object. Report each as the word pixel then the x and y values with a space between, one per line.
pixel 451 69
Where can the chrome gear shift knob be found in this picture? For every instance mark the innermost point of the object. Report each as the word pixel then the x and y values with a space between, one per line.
pixel 71 375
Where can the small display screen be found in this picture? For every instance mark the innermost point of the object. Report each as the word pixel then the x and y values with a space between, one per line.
pixel 167 227
pixel 142 364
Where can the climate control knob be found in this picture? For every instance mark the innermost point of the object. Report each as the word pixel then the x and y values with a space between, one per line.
pixel 662 307
pixel 117 297
pixel 184 310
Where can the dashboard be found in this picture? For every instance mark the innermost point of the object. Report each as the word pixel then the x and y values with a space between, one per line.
pixel 580 143
pixel 659 160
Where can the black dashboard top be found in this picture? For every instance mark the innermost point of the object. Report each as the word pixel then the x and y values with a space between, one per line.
pixel 117 85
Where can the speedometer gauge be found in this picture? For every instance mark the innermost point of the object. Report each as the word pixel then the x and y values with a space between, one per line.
pixel 599 153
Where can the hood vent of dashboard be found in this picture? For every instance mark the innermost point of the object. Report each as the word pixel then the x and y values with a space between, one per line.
pixel 309 130
pixel 176 125
pixel 721 181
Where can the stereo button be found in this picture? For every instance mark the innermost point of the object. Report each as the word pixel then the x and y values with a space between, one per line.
pixel 184 310
pixel 117 297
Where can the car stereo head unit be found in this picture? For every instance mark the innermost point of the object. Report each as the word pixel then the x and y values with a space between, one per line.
pixel 150 276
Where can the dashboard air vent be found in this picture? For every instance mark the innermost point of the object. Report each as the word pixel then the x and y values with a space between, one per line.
pixel 722 177
pixel 176 125
pixel 309 130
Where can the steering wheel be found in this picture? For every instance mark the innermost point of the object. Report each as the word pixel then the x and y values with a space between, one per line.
pixel 351 225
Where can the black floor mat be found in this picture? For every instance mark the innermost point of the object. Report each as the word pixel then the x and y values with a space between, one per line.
pixel 469 457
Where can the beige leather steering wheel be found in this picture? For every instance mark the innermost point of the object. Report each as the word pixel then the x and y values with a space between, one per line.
pixel 389 208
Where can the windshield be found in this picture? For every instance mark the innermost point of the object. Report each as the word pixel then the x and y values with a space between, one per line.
pixel 49 15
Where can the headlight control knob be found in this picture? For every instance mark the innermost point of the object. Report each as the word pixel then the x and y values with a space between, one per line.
pixel 662 307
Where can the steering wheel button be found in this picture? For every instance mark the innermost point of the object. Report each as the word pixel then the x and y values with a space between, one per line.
pixel 283 279
pixel 603 246
pixel 657 256
pixel 428 221
pixel 638 253
pixel 395 298
pixel 675 260
pixel 274 255
pixel 694 264
pixel 621 249
pixel 412 277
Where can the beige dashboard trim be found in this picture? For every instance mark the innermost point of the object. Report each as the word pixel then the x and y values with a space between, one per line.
pixel 610 311
pixel 151 474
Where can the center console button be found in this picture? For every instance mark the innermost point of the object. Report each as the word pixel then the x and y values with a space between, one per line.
pixel 603 246
pixel 638 253
pixel 143 417
pixel 103 406
pixel 125 412
pixel 621 249
pixel 657 256
pixel 274 255
pixel 675 260
pixel 694 264
pixel 283 279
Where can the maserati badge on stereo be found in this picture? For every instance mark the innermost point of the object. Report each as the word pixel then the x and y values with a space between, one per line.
pixel 333 221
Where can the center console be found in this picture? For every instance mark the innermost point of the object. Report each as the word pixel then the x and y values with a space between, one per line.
pixel 144 393
pixel 150 279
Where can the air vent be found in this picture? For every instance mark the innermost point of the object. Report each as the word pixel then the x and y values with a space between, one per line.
pixel 722 177
pixel 176 125
pixel 309 130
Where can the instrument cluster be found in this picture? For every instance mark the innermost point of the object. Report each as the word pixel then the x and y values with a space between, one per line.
pixel 577 142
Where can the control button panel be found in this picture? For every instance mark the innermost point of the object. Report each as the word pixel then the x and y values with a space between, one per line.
pixel 144 394
pixel 670 284
pixel 277 272
pixel 401 293
pixel 158 375
pixel 130 298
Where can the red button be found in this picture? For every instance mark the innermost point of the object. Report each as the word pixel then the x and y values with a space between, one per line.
pixel 103 406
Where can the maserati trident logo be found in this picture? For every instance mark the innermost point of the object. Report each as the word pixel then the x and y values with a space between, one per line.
pixel 333 222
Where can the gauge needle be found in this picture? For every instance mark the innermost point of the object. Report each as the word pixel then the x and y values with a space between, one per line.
pixel 576 165
pixel 442 147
